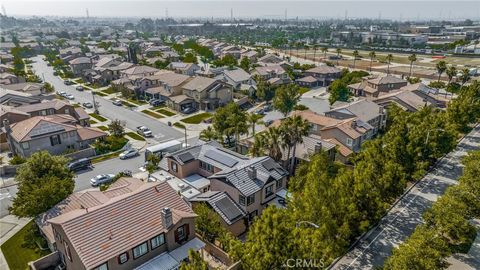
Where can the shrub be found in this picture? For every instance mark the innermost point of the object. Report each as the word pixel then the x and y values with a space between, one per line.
pixel 17 160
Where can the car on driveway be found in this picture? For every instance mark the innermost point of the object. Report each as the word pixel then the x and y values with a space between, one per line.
pixel 117 102
pixel 144 131
pixel 128 153
pixel 69 96
pixel 101 179
pixel 189 110
pixel 68 82
pixel 87 105
pixel 156 102
pixel 79 88
pixel 260 111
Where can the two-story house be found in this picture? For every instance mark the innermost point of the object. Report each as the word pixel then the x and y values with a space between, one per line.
pixel 236 78
pixel 270 59
pixel 131 225
pixel 274 74
pixel 203 93
pixel 184 68
pixel 373 87
pixel 165 84
pixel 34 89
pixel 324 76
pixel 79 65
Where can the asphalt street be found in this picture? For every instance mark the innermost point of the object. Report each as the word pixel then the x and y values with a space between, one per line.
pixel 132 118
pixel 400 222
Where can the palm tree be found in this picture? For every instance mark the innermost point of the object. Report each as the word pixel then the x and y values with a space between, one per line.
pixel 272 143
pixel 258 147
pixel 305 46
pixel 208 134
pixel 451 72
pixel 372 55
pixel 296 128
pixel 412 58
pixel 441 67
pixel 389 60
pixel 465 77
pixel 338 50
pixel 315 47
pixel 355 55
pixel 253 119
pixel 324 50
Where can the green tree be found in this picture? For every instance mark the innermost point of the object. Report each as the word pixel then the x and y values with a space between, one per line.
pixel 208 134
pixel 178 48
pixel 355 57
pixel 245 64
pixel 389 59
pixel 43 181
pixel 412 58
pixel 297 128
pixel 207 223
pixel 253 119
pixel 372 56
pixel 230 121
pixel 272 139
pixel 265 91
pixel 285 99
pixel 451 72
pixel 339 51
pixel 324 50
pixel 338 91
pixel 152 163
pixel 195 262
pixel 116 128
pixel 257 149
pixel 441 67
pixel 190 58
pixel 465 76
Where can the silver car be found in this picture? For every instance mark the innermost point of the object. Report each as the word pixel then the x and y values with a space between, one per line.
pixel 128 153
pixel 101 179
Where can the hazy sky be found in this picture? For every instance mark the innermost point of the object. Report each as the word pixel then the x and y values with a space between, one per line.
pixel 388 9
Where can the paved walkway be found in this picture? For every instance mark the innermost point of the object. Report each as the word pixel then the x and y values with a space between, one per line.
pixel 471 260
pixel 9 225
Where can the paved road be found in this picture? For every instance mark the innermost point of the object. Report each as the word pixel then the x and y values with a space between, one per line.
pixel 132 118
pixel 400 222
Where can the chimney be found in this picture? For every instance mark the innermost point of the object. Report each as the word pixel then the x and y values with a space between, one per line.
pixel 167 220
pixel 252 172
pixel 354 123
pixel 6 124
pixel 318 147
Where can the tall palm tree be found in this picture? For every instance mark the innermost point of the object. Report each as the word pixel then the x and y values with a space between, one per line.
pixel 297 128
pixel 239 125
pixel 258 147
pixel 324 50
pixel 208 134
pixel 355 55
pixel 465 77
pixel 412 58
pixel 315 47
pixel 372 56
pixel 338 50
pixel 451 72
pixel 253 119
pixel 305 47
pixel 441 67
pixel 389 60
pixel 272 142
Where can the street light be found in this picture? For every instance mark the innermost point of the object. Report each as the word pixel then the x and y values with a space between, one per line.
pixel 308 223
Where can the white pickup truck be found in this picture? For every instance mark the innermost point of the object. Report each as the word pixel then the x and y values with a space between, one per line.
pixel 144 131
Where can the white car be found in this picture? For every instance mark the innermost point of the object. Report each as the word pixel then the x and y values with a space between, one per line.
pixel 128 153
pixel 69 97
pixel 144 131
pixel 101 179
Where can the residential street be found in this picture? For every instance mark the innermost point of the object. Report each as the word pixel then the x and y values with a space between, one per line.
pixel 399 223
pixel 131 118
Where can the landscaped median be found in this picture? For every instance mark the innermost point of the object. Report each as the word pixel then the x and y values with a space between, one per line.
pixel 165 112
pixel 24 247
pixel 152 114
pixel 196 119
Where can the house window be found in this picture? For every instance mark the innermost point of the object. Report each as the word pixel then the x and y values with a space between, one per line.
pixel 55 139
pixel 279 183
pixel 157 241
pixel 123 258
pixel 206 166
pixel 349 142
pixel 43 112
pixel 67 111
pixel 104 266
pixel 140 250
pixel 241 200
pixel 25 145
pixel 250 199
pixel 72 133
pixel 174 167
pixel 181 233
pixel 67 251
pixel 268 191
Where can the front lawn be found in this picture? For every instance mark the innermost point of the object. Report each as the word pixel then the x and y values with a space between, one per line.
pixel 109 144
pixel 135 136
pixel 179 125
pixel 100 93
pixel 22 247
pixel 152 114
pixel 136 101
pixel 165 112
pixel 197 119
pixel 103 128
pixel 108 91
pixel 91 121
pixel 98 117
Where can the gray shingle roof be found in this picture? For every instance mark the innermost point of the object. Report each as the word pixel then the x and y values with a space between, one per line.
pixel 223 204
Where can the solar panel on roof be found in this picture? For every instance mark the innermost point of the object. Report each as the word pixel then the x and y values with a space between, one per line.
pixel 269 164
pixel 186 157
pixel 228 208
pixel 221 158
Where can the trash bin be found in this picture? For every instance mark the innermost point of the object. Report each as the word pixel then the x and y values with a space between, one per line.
pixel 169 123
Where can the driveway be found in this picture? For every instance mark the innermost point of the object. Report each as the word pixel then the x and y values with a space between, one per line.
pixel 401 220
pixel 132 118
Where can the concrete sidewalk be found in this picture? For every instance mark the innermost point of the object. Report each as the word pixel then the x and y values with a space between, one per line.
pixel 9 225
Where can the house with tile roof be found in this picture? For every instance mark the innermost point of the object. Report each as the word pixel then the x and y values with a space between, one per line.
pixel 236 78
pixel 203 93
pixel 373 87
pixel 184 68
pixel 323 75
pixel 80 64
pixel 57 134
pixel 131 225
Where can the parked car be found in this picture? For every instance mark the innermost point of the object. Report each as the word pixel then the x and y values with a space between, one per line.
pixel 79 88
pixel 260 111
pixel 156 102
pixel 62 93
pixel 128 153
pixel 189 110
pixel 81 164
pixel 69 96
pixel 268 122
pixel 267 107
pixel 117 102
pixel 101 179
pixel 87 105
pixel 144 131
pixel 68 82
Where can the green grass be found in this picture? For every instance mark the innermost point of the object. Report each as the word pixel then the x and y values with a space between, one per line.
pixel 178 125
pixel 78 81
pixel 137 102
pixel 135 136
pixel 100 93
pixel 128 104
pixel 104 128
pixel 197 119
pixel 98 117
pixel 303 90
pixel 108 91
pixel 152 114
pixel 165 112
pixel 91 121
pixel 106 157
pixel 21 249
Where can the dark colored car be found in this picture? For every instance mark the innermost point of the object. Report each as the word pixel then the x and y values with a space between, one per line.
pixel 68 82
pixel 79 88
pixel 81 164
pixel 156 102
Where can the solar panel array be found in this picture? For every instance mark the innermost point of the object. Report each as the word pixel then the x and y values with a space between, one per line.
pixel 221 158
pixel 186 157
pixel 45 128
pixel 228 208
